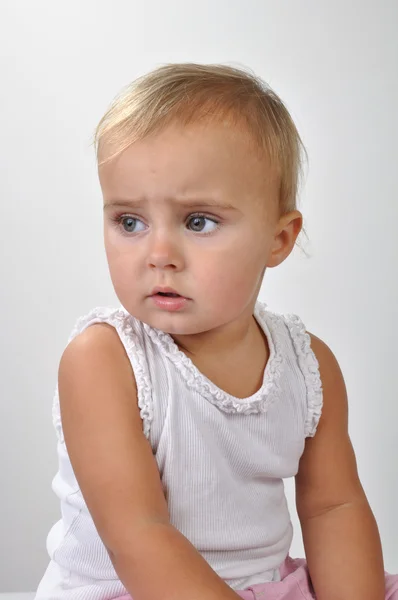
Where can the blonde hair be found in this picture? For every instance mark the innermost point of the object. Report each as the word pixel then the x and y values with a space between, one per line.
pixel 187 93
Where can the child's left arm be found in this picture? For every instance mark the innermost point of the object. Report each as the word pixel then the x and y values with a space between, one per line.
pixel 340 534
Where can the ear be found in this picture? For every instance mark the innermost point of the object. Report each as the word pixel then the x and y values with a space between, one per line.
pixel 286 232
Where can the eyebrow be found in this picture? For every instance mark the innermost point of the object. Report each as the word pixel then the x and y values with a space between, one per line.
pixel 208 203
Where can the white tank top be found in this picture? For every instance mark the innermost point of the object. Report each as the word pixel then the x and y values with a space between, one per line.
pixel 222 459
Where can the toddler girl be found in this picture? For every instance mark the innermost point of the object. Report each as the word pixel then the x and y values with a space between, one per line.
pixel 180 413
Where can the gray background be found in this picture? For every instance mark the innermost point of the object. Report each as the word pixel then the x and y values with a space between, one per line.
pixel 335 64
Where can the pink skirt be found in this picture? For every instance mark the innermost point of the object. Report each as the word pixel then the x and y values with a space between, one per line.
pixel 295 584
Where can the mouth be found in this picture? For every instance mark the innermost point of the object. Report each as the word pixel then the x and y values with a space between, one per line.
pixel 166 292
pixel 167 299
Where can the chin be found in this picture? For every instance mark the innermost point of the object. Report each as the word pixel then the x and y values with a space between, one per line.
pixel 174 328
pixel 175 324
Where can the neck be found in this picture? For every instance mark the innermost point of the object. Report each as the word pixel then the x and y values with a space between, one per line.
pixel 226 340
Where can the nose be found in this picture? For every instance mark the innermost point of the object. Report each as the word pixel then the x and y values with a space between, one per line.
pixel 165 252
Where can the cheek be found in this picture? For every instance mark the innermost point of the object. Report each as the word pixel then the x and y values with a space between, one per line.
pixel 118 250
pixel 114 243
pixel 121 264
pixel 235 270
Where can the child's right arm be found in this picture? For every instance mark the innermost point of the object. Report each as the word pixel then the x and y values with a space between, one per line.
pixel 118 475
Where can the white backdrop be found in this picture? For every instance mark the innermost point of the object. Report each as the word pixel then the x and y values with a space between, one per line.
pixel 335 63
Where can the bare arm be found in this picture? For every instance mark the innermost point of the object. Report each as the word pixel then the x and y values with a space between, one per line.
pixel 340 534
pixel 118 476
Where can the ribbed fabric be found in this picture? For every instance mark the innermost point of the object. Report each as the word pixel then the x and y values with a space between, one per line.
pixel 222 459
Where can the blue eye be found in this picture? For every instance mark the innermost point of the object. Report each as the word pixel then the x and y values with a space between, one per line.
pixel 198 222
pixel 128 223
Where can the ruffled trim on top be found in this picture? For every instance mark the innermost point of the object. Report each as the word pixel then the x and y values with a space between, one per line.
pixel 310 368
pixel 124 325
pixel 258 402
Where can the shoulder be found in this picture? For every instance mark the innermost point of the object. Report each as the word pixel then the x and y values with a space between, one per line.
pixel 96 346
pixel 96 385
pixel 93 361
pixel 96 342
pixel 335 403
pixel 308 345
pixel 108 334
pixel 325 387
pixel 325 357
pixel 105 351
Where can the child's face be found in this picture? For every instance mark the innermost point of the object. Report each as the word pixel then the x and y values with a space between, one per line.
pixel 156 189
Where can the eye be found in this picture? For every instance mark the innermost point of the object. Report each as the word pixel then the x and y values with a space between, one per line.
pixel 199 223
pixel 129 223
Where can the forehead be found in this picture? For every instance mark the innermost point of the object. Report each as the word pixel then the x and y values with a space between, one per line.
pixel 183 160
